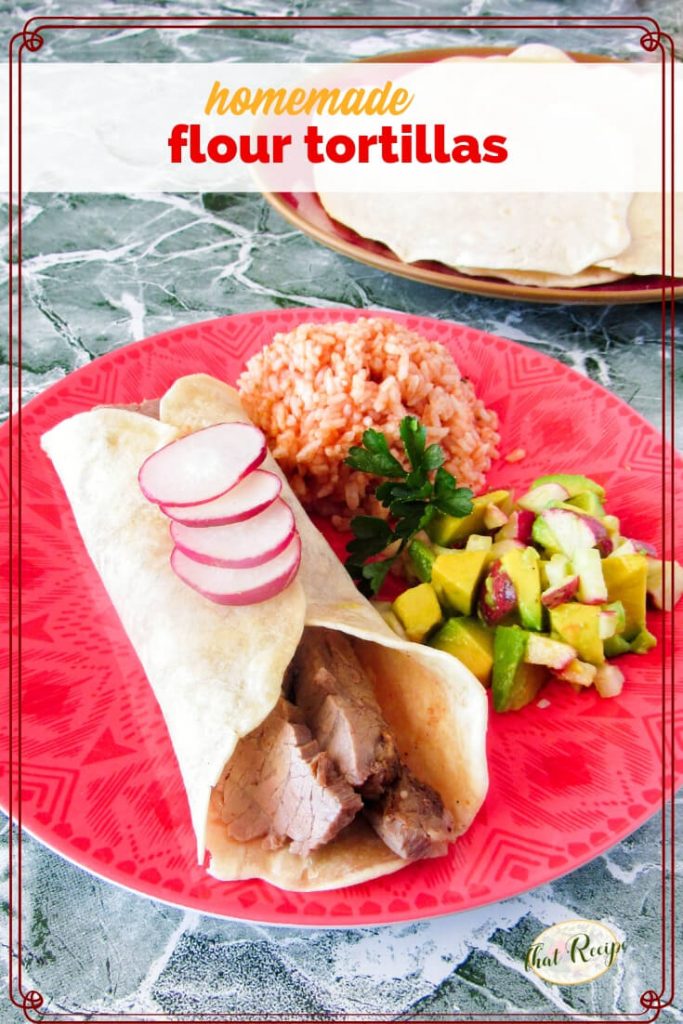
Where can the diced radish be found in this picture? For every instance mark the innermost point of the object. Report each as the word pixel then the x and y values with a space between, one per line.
pixel 608 623
pixel 659 583
pixel 254 494
pixel 540 497
pixel 240 586
pixel 625 547
pixel 557 570
pixel 565 591
pixel 498 596
pixel 578 672
pixel 588 566
pixel 617 609
pixel 643 548
pixel 609 681
pixel 559 529
pixel 634 547
pixel 238 545
pixel 203 465
pixel 518 527
pixel 541 650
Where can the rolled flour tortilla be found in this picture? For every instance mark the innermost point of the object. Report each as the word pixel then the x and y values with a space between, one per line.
pixel 217 671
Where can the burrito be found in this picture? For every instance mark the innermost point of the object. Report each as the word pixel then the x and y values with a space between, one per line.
pixel 317 748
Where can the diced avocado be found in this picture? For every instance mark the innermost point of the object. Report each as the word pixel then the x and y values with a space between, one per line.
pixel 522 566
pixel 422 559
pixel 446 530
pixel 618 608
pixel 626 579
pixel 470 642
pixel 579 626
pixel 588 501
pixel 528 681
pixel 418 611
pixel 615 646
pixel 574 483
pixel 456 577
pixel 478 542
pixel 514 682
pixel 643 642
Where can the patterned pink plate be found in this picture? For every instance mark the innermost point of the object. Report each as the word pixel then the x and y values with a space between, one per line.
pixel 99 781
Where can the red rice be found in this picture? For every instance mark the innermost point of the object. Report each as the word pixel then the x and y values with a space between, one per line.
pixel 315 390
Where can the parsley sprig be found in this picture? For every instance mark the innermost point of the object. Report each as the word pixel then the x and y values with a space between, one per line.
pixel 413 496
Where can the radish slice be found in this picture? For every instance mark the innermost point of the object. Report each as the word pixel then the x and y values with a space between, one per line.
pixel 240 586
pixel 239 545
pixel 251 496
pixel 203 465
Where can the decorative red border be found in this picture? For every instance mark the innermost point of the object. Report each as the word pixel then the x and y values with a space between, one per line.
pixel 31 39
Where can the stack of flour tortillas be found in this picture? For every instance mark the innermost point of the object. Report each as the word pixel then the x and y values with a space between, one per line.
pixel 567 240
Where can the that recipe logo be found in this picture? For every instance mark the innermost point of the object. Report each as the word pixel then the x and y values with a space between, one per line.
pixel 573 952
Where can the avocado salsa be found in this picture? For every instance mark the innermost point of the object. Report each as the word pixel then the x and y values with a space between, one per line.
pixel 538 588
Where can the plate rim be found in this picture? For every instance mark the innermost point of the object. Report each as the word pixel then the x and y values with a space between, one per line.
pixel 320 921
pixel 344 311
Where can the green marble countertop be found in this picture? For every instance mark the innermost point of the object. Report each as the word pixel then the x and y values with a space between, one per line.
pixel 101 271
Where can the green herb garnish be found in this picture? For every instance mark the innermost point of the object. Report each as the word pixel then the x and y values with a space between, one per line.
pixel 413 497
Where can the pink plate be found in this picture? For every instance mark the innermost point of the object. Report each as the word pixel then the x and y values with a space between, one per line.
pixel 100 783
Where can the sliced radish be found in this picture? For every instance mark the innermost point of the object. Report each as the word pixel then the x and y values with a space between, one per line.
pixel 238 545
pixel 609 681
pixel 203 465
pixel 561 593
pixel 240 586
pixel 542 650
pixel 249 497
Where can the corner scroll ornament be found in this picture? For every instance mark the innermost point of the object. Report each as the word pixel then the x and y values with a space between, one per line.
pixel 651 38
pixel 31 38
pixel 651 1000
pixel 31 1002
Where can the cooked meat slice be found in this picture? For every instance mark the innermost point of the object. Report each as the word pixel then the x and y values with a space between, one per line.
pixel 336 696
pixel 279 785
pixel 411 819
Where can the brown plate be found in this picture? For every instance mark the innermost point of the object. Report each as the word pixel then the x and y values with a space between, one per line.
pixel 305 211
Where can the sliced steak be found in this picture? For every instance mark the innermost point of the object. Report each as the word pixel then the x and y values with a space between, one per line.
pixel 332 689
pixel 279 785
pixel 411 819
